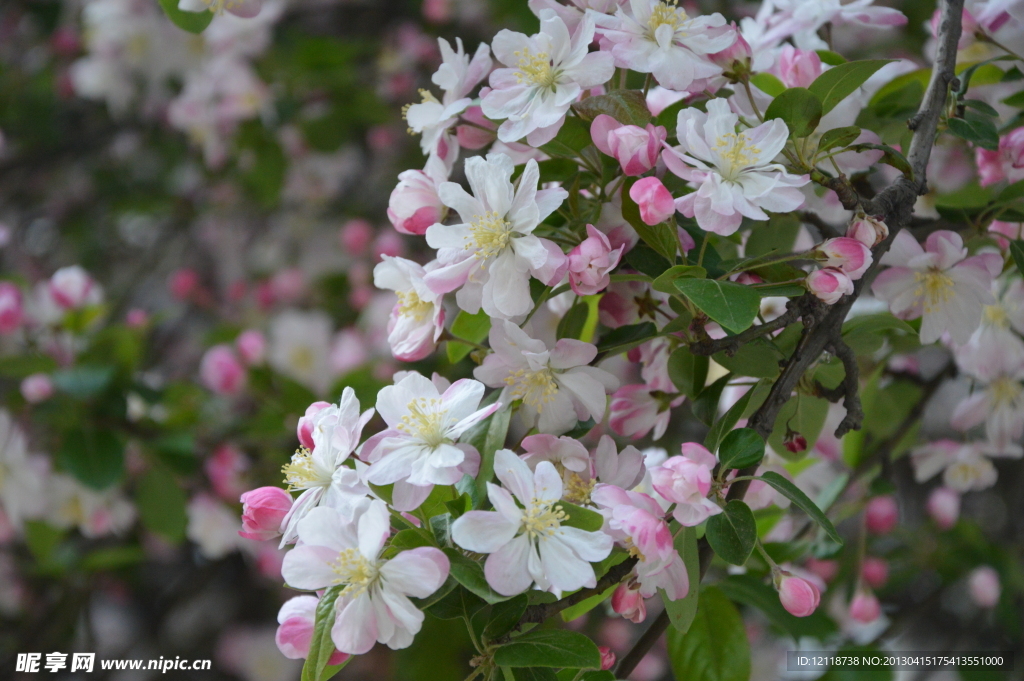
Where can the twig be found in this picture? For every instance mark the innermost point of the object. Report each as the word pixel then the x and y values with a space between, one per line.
pixel 895 203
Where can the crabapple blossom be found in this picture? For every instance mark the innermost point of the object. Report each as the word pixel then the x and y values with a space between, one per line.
pixel 797 68
pixel 999 404
pixel 865 607
pixel 532 544
pixel 655 201
pixel 414 204
pixel 246 9
pixel 545 73
pixel 685 481
pixel 263 510
pixel 881 514
pixel 635 410
pixel 734 172
pixel 607 657
pixel 556 386
pixel 874 571
pixel 457 76
pixel 252 346
pixel 1005 163
pixel 943 507
pixel 417 319
pixel 221 371
pixel 635 148
pixel 798 596
pixel 984 586
pixel 373 605
pixel 296 622
pixel 845 254
pixel 656 37
pixel 304 429
pixel 36 388
pixel 627 601
pixel 419 448
pixel 963 466
pixel 829 284
pixel 867 229
pixel 72 287
pixel 11 312
pixel 937 282
pixel 336 430
pixel 492 253
pixel 591 262
pixel 565 453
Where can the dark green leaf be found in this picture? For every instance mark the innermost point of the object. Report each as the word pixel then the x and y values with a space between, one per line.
pixel 775 236
pixel 802 501
pixel 750 591
pixel 95 457
pixel 798 109
pixel 529 674
pixel 470 574
pixel 456 603
pixel 981 107
pixel 805 415
pixel 734 306
pixel 830 58
pixel 715 648
pixel 321 646
pixel 83 381
pixel 193 22
pixel 688 371
pixel 839 82
pixel 705 407
pixel 741 448
pixel 161 504
pixel 645 259
pixel 628 107
pixel 549 648
pixel 1017 250
pixel 504 616
pixel 838 137
pixel 733 532
pixel 729 419
pixel 471 327
pixel 757 359
pixel 664 282
pixel 572 138
pixel 113 558
pixel 557 170
pixel 625 338
pixel 1011 192
pixel 571 324
pixel 441 528
pixel 682 611
pixel 976 132
pixel 495 440
pixel 22 365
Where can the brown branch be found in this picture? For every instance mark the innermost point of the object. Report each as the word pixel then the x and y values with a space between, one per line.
pixel 895 203
pixel 730 344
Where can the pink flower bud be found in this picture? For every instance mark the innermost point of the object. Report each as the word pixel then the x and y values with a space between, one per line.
pixel 629 603
pixel 797 68
pixel 984 587
pixel 252 346
pixel 881 514
pixel 471 136
pixel 846 254
pixel 136 318
pixel 798 596
pixel 356 236
pixel 825 569
pixel 221 371
pixel 829 285
pixel 868 230
pixel 656 204
pixel 635 148
pixel 263 509
pixel 874 571
pixel 11 312
pixel 591 263
pixel 607 657
pixel 183 283
pixel 414 204
pixel 865 607
pixel 944 507
pixel 296 619
pixel 1006 163
pixel 305 427
pixel 36 388
pixel 70 287
pixel 736 57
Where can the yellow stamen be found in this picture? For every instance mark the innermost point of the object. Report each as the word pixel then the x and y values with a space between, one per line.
pixel 353 570
pixel 666 14
pixel 577 490
pixel 541 520
pixel 491 234
pixel 411 305
pixel 736 153
pixel 534 388
pixel 300 473
pixel 535 69
pixel 995 315
pixel 425 420
pixel 1004 391
pixel 935 288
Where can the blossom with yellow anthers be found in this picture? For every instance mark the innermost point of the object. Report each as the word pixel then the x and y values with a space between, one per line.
pixel 300 473
pixel 935 288
pixel 736 153
pixel 411 305
pixel 534 388
pixel 491 234
pixel 1005 391
pixel 354 571
pixel 542 519
pixel 995 315
pixel 534 68
pixel 426 97
pixel 427 420
pixel 666 14
pixel 634 552
pixel 577 490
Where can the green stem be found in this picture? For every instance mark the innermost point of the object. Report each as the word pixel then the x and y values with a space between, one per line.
pixel 750 97
pixel 703 247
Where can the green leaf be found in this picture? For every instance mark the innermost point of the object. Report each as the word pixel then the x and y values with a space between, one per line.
pixel 1011 192
pixel 729 419
pixel 798 109
pixel 470 574
pixel 321 646
pixel 557 170
pixel 981 107
pixel 705 407
pixel 733 532
pixel 504 616
pixel 529 674
pixel 750 591
pixel 471 327
pixel 1017 250
pixel 660 237
pixel 625 338
pixel 161 504
pixel 839 82
pixel 456 603
pixel 741 448
pixel 628 107
pixel 586 605
pixel 572 322
pixel 838 137
pixel 497 430
pixel 777 235
pixel 42 540
pixel 768 84
pixel 802 501
pixel 982 133
pixel 549 648
pixel 682 611
pixel 441 528
pixel 757 359
pixel 688 371
pixel 734 306
pixel 805 415
pixel 715 648
pixel 645 259
pixel 830 58
pixel 572 138
pixel 83 381
pixel 664 282
pixel 581 518
pixel 94 457
pixel 22 365
pixel 193 22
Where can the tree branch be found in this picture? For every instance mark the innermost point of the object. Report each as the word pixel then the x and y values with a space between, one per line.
pixel 895 203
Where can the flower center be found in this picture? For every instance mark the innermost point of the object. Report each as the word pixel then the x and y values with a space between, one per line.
pixel 736 154
pixel 491 234
pixel 542 519
pixel 995 315
pixel 353 570
pixel 935 288
pixel 426 420
pixel 301 359
pixel 534 388
pixel 634 551
pixel 411 305
pixel 665 14
pixel 535 69
pixel 1004 391
pixel 577 490
pixel 300 473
